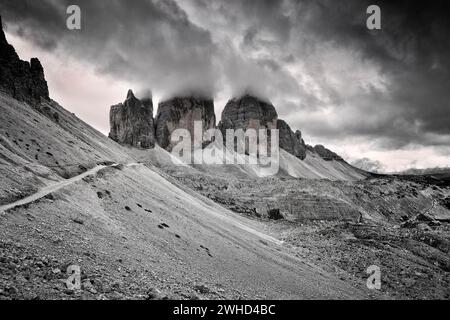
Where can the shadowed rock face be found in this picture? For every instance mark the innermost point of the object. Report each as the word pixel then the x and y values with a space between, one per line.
pixel 299 136
pixel 248 112
pixel 326 154
pixel 22 80
pixel 290 141
pixel 132 122
pixel 181 113
pixel 251 112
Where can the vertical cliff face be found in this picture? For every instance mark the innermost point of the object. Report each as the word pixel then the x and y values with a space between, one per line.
pixel 248 112
pixel 290 141
pixel 181 113
pixel 132 122
pixel 22 80
pixel 251 112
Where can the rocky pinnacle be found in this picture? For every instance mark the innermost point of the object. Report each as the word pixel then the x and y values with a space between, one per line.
pixel 132 122
pixel 23 80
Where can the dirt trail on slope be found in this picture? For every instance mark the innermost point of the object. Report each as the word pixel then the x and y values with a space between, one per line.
pixel 57 186
pixel 49 189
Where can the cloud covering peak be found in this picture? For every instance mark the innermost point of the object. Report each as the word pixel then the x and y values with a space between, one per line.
pixel 343 85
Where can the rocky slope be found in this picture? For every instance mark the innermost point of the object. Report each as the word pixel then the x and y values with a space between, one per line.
pixel 137 235
pixel 134 231
pixel 180 113
pixel 40 141
pixel 132 122
pixel 36 149
pixel 398 224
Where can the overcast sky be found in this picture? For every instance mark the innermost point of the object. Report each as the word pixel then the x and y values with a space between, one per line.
pixel 382 95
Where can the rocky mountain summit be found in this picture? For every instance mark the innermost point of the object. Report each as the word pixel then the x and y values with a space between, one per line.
pixel 181 113
pixel 132 122
pixel 22 80
pixel 248 112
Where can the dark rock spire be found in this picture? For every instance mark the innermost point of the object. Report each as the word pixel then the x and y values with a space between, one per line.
pixel 22 80
pixel 132 122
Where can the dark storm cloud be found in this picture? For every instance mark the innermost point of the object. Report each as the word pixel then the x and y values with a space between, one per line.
pixel 410 56
pixel 326 72
pixel 151 43
pixel 412 52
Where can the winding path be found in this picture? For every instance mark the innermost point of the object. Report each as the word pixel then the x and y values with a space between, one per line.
pixel 52 188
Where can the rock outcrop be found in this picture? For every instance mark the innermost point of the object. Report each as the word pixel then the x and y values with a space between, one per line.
pixel 132 122
pixel 251 112
pixel 22 80
pixel 299 136
pixel 248 112
pixel 181 113
pixel 326 154
pixel 290 141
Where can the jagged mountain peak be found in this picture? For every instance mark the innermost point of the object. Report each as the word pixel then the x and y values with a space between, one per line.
pixel 132 122
pixel 22 80
pixel 130 94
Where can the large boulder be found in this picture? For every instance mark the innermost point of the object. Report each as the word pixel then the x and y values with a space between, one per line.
pixel 290 141
pixel 22 80
pixel 132 122
pixel 181 113
pixel 275 214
